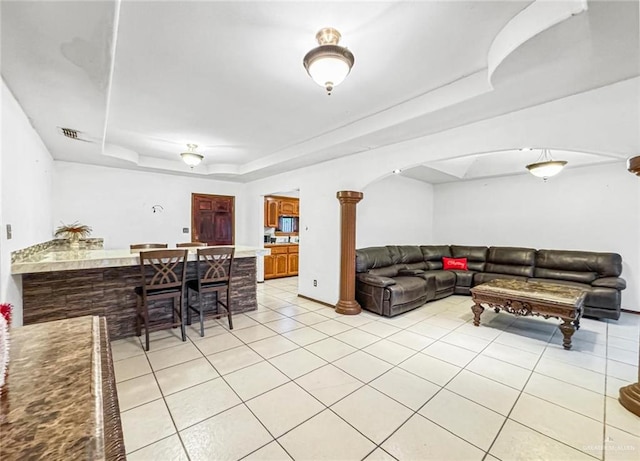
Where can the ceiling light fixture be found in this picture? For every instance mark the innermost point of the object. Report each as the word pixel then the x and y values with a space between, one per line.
pixel 545 166
pixel 191 157
pixel 397 171
pixel 328 64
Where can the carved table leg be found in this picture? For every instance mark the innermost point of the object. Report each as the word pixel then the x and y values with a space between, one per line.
pixel 567 330
pixel 477 310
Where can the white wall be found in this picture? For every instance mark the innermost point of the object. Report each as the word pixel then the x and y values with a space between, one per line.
pixel 117 203
pixel 25 194
pixel 590 208
pixel 580 122
pixel 395 211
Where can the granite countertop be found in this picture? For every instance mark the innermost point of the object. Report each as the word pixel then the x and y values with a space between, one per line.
pixel 61 260
pixel 51 406
pixel 268 245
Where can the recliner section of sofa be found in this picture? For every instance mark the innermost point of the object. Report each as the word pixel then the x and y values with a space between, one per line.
pixel 394 279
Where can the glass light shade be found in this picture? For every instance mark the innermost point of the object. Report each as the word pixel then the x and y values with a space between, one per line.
pixel 546 169
pixel 191 157
pixel 328 70
pixel 328 64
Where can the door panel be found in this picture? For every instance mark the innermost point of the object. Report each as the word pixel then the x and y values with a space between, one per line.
pixel 269 267
pixel 281 265
pixel 213 219
pixel 292 266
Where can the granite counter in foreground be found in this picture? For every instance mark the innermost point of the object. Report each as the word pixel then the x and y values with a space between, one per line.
pixel 59 401
pixel 64 284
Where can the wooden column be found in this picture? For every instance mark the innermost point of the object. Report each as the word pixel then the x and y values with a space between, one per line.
pixel 348 304
pixel 630 395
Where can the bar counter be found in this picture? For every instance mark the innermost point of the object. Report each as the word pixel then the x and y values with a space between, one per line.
pixel 72 283
pixel 59 401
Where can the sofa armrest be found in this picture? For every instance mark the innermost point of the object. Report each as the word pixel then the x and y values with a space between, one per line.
pixel 410 272
pixel 375 280
pixel 610 282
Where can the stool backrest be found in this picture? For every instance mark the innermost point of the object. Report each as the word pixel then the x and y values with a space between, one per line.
pixel 146 246
pixel 165 271
pixel 214 264
pixel 190 244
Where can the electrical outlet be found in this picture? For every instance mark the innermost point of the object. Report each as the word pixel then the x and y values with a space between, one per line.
pixel 9 233
pixel 185 230
pixel 315 283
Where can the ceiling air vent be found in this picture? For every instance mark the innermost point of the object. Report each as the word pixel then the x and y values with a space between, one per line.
pixel 72 134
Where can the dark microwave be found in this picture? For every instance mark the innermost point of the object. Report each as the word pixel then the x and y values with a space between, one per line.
pixel 288 224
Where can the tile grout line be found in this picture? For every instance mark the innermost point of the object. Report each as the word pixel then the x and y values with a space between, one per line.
pixel 378 339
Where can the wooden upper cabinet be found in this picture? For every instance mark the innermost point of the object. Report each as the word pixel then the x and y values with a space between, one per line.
pixel 271 212
pixel 275 206
pixel 287 207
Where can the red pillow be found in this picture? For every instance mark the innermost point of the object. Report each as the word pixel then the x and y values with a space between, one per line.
pixel 459 264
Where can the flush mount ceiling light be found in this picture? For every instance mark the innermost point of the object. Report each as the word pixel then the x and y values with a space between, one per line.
pixel 328 64
pixel 191 157
pixel 545 166
pixel 397 171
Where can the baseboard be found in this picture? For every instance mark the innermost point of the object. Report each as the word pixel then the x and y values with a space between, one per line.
pixel 316 301
pixel 628 311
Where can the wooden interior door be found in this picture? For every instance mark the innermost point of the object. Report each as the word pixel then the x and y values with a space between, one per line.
pixel 213 219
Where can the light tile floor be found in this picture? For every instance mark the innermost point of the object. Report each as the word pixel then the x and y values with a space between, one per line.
pixel 295 380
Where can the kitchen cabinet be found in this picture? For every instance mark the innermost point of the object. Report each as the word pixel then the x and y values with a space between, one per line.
pixel 271 212
pixel 288 207
pixel 275 207
pixel 292 264
pixel 282 262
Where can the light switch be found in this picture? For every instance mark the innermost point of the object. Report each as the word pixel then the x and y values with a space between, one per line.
pixel 9 233
pixel 185 230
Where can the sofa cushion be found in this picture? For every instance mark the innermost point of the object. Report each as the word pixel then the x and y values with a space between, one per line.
pixel 371 258
pixel 389 271
pixel 444 280
pixel 410 254
pixel 577 266
pixel 483 277
pixel 511 261
pixel 464 278
pixel 433 254
pixel 449 264
pixel 407 289
pixel 476 256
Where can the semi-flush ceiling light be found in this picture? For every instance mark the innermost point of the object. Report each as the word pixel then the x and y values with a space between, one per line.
pixel 191 157
pixel 328 64
pixel 545 166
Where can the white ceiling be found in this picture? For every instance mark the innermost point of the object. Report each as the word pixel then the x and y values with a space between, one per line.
pixel 142 79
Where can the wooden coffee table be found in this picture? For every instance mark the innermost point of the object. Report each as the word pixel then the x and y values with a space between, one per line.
pixel 532 298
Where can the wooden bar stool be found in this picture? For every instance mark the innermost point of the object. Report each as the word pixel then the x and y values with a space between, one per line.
pixel 163 277
pixel 214 276
pixel 190 244
pixel 147 246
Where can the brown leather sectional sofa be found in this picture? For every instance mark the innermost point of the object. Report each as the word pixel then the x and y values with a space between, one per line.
pixel 393 279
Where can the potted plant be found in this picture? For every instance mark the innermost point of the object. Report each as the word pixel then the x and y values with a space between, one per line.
pixel 73 232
